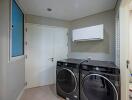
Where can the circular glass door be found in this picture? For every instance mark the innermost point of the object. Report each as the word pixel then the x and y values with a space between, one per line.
pixel 66 80
pixel 98 87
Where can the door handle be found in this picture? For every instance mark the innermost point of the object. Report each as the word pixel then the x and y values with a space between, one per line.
pixel 52 59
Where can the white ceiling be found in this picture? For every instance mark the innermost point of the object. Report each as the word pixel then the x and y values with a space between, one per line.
pixel 66 9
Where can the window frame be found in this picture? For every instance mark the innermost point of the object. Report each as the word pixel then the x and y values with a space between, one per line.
pixel 11 58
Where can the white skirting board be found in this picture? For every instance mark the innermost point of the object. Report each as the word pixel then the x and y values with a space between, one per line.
pixel 20 95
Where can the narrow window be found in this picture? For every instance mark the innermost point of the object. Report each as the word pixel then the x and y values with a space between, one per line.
pixel 17 38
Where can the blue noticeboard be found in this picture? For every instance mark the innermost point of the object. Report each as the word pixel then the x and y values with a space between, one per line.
pixel 17 30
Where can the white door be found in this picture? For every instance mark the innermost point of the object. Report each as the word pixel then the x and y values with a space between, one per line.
pixel 60 45
pixel 40 49
pixel 124 48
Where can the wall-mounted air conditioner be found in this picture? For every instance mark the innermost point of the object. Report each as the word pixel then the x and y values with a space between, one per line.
pixel 88 33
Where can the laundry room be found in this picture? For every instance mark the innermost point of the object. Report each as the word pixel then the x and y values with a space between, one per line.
pixel 65 50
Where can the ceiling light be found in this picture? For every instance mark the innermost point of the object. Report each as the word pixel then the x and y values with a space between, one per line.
pixel 49 9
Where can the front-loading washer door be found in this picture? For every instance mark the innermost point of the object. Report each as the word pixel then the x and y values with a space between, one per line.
pixel 98 87
pixel 66 80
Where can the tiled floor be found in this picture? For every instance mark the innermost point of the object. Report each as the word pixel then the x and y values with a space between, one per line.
pixel 41 93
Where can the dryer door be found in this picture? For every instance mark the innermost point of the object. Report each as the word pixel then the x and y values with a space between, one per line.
pixel 66 80
pixel 98 87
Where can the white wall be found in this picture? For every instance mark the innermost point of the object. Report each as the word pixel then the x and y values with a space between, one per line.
pixel 117 38
pixel 12 75
pixel 46 21
pixel 130 41
pixel 1 52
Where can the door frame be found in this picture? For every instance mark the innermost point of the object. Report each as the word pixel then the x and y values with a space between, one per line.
pixel 124 15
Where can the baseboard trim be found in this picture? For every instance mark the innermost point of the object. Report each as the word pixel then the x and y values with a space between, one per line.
pixel 20 95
